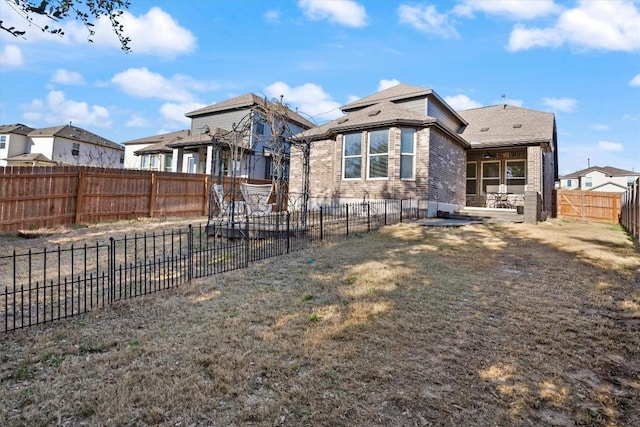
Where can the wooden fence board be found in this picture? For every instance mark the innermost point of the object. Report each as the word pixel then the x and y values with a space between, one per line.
pixel 589 206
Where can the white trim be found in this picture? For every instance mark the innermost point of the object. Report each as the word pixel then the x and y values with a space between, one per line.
pixel 370 156
pixel 344 156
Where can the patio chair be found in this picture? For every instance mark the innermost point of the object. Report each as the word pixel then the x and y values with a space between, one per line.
pixel 225 205
pixel 256 199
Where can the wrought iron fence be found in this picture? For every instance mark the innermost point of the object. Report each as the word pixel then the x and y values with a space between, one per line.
pixel 53 284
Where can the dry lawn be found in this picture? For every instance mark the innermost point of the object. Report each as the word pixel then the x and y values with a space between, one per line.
pixel 411 326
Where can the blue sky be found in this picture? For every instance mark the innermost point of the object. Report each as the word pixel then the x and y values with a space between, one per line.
pixel 580 60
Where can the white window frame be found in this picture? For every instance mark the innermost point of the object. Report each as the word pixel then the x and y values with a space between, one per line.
pixel 523 178
pixel 346 157
pixel 483 178
pixel 407 154
pixel 372 156
pixel 474 178
pixel 588 182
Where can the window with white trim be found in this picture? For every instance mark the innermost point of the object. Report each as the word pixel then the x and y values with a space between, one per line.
pixel 472 178
pixel 588 182
pixel 490 176
pixel 515 172
pixel 378 158
pixel 352 156
pixel 168 160
pixel 407 153
pixel 75 149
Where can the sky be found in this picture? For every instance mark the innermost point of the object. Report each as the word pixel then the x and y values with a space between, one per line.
pixel 577 59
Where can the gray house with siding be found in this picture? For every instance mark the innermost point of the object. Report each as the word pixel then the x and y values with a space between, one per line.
pixel 406 142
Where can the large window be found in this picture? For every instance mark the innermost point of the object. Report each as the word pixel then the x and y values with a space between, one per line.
pixel 407 153
pixel 490 177
pixel 378 154
pixel 588 182
pixel 352 157
pixel 168 159
pixel 472 178
pixel 516 176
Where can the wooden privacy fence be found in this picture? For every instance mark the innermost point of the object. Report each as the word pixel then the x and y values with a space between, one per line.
pixel 591 206
pixel 630 214
pixel 37 197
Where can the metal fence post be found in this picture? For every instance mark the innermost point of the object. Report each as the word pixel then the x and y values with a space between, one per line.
pixel 288 231
pixel 368 217
pixel 385 212
pixel 321 230
pixel 111 271
pixel 347 215
pixel 401 211
pixel 190 254
pixel 246 242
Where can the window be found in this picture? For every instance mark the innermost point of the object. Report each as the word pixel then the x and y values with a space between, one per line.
pixel 153 162
pixel 631 180
pixel 121 157
pixel 472 178
pixel 516 176
pixel 3 143
pixel 75 150
pixel 588 182
pixel 569 183
pixel 407 153
pixel 490 177
pixel 168 159
pixel 378 154
pixel 145 161
pixel 192 166
pixel 259 128
pixel 352 157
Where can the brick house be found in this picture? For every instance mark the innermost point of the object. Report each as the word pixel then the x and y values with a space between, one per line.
pixel 406 142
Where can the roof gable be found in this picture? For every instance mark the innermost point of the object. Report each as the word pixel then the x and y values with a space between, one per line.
pixel 18 129
pixel 394 93
pixel 606 170
pixel 75 133
pixel 161 138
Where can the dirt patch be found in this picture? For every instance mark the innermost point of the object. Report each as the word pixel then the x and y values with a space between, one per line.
pixel 479 325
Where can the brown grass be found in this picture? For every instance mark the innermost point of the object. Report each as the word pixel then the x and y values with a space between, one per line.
pixel 480 325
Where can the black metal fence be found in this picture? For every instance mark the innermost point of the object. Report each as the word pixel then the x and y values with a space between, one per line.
pixel 52 284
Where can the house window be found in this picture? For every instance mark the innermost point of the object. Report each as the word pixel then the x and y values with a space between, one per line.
pixel 569 183
pixel 259 128
pixel 192 166
pixel 378 154
pixel 153 162
pixel 472 178
pixel 516 176
pixel 588 182
pixel 75 149
pixel 352 157
pixel 145 161
pixel 631 180
pixel 168 159
pixel 490 177
pixel 3 143
pixel 121 157
pixel 407 153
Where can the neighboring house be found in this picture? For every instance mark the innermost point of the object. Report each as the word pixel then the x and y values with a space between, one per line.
pixel 407 143
pixel 153 152
pixel 212 144
pixel 59 145
pixel 598 178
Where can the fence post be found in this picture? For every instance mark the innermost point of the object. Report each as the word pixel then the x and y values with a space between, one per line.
pixel 368 217
pixel 111 280
pixel 79 194
pixel 190 254
pixel 288 231
pixel 401 211
pixel 152 196
pixel 246 240
pixel 321 230
pixel 385 212
pixel 347 214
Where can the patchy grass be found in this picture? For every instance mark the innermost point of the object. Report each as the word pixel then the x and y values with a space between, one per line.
pixel 480 325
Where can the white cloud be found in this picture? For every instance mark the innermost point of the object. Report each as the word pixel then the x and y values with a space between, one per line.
pixel 426 19
pixel 310 99
pixel 175 112
pixel 143 83
pixel 352 98
pixel 610 146
pixel 635 82
pixel 565 105
pixel 386 84
pixel 272 15
pixel 514 9
pixel 57 110
pixel 137 122
pixel 599 127
pixel 11 56
pixel 66 77
pixel 606 25
pixel 461 102
pixel 345 12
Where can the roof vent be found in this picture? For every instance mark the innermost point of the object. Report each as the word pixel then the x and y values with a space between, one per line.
pixel 484 129
pixel 517 126
pixel 374 113
pixel 343 120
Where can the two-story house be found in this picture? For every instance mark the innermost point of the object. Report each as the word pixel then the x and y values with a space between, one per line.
pixel 153 152
pixel 58 145
pixel 596 178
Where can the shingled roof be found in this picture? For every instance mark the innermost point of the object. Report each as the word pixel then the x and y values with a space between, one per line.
pixel 395 93
pixel 507 125
pixel 607 170
pixel 75 133
pixel 18 129
pixel 246 101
